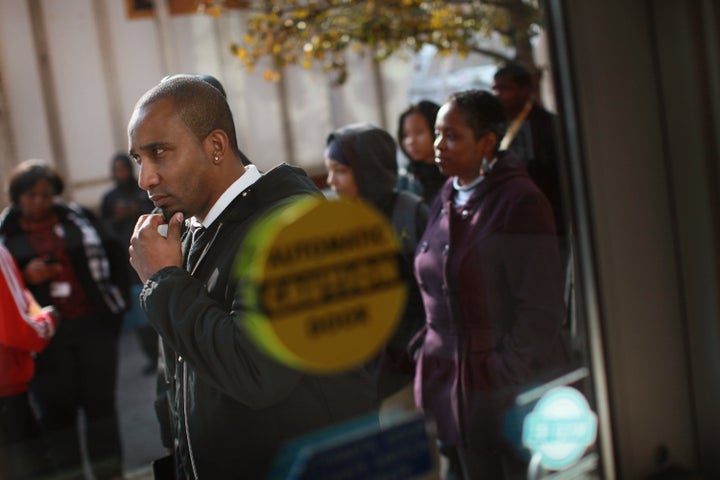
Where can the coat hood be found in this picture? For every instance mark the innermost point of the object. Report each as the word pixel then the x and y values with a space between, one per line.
pixel 372 155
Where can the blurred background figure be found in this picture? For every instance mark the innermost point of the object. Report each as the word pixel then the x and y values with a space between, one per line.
pixel 25 329
pixel 489 268
pixel 531 134
pixel 362 165
pixel 68 260
pixel 120 208
pixel 416 134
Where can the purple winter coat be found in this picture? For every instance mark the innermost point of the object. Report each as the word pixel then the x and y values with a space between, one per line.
pixel 491 280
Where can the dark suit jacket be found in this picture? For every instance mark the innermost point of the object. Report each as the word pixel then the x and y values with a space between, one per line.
pixel 542 162
pixel 240 405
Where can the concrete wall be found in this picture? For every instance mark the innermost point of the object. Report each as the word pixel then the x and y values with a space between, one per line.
pixel 72 70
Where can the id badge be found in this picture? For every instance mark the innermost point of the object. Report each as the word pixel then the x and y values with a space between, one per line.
pixel 60 289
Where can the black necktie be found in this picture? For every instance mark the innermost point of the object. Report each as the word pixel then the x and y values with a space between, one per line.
pixel 197 243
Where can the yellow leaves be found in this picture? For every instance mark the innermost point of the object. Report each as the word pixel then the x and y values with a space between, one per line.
pixel 438 19
pixel 271 76
pixel 305 32
pixel 214 11
pixel 241 53
pixel 302 14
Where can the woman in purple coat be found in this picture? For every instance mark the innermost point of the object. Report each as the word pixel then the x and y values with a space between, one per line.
pixel 490 276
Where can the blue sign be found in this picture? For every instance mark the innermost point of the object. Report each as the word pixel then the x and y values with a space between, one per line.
pixel 359 450
pixel 560 428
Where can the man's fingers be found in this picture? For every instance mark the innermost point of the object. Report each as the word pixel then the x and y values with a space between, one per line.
pixel 149 250
pixel 139 222
pixel 175 226
pixel 149 221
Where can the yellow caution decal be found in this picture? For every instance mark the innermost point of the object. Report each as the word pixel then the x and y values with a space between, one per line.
pixel 322 283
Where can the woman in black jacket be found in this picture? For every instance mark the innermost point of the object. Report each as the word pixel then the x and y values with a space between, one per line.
pixel 68 261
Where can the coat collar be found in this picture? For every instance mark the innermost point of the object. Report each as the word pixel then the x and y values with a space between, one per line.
pixel 508 166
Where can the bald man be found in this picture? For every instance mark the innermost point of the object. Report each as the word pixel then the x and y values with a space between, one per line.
pixel 229 406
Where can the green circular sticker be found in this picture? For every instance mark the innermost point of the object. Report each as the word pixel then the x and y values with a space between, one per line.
pixel 560 428
pixel 322 283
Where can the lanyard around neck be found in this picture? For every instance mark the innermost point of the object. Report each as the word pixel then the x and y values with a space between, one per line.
pixel 514 127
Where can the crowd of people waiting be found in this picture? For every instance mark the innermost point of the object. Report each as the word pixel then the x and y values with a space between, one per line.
pixel 479 216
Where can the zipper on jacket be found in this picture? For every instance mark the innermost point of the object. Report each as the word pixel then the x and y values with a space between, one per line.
pixel 187 428
pixel 184 368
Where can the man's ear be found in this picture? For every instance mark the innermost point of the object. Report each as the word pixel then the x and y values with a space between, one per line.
pixel 216 145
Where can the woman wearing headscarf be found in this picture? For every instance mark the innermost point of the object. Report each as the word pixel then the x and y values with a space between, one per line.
pixel 362 165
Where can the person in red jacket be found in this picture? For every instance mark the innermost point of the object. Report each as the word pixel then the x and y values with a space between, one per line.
pixel 25 328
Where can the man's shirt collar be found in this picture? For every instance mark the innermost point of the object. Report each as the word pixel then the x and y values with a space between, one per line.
pixel 251 175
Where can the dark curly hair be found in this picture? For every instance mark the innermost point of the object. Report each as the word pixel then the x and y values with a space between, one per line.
pixel 483 112
pixel 28 173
